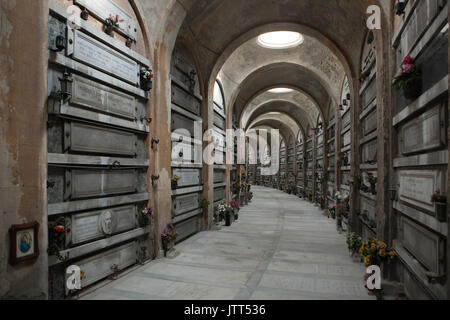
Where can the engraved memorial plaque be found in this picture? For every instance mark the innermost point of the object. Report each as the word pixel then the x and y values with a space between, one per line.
pixel 418 186
pixel 219 194
pixel 369 152
pixel 185 203
pixel 423 133
pixel 98 55
pixel 422 244
pixel 370 123
pixel 181 122
pixel 82 137
pixel 185 100
pixel 188 177
pixel 101 266
pixel 94 225
pixel 92 95
pixel 99 183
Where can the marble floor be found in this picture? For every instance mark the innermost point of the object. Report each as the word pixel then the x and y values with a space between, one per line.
pixel 281 248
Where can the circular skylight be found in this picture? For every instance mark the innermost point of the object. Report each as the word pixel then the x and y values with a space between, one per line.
pixel 280 39
pixel 280 90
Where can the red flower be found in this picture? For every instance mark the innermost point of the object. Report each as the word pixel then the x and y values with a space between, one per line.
pixel 408 60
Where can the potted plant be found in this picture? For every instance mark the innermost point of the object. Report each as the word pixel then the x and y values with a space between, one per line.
pixel 440 202
pixel 146 79
pixel 225 211
pixel 204 203
pixel 408 79
pixel 146 214
pixel 168 238
pixel 332 211
pixel 375 252
pixel 174 181
pixel 235 206
pixel 112 23
pixel 354 243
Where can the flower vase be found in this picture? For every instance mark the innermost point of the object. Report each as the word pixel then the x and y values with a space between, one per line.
pixel 109 30
pixel 228 219
pixel 167 246
pixel 174 184
pixel 441 211
pixel 413 89
pixel 146 84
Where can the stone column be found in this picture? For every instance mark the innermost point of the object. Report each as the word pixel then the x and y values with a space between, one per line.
pixel 23 142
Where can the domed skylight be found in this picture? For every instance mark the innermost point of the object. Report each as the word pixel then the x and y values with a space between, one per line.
pixel 280 39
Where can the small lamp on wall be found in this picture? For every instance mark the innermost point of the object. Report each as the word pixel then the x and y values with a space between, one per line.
pixel 400 7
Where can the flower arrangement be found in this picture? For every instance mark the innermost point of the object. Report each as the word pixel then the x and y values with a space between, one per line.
pixel 332 211
pixel 147 74
pixel 375 252
pixel 204 203
pixel 112 21
pixel 175 177
pixel 338 196
pixel 147 212
pixel 354 243
pixel 146 215
pixel 234 204
pixel 169 234
pixel 347 198
pixel 406 75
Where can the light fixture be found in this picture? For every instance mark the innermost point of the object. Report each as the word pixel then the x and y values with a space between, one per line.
pixel 280 39
pixel 280 90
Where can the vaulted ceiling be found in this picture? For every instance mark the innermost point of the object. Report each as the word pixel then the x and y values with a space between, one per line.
pixel 224 34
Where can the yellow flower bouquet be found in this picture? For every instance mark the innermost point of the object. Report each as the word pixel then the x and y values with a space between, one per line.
pixel 375 252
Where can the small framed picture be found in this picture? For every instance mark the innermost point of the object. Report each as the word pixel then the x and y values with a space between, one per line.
pixel 24 243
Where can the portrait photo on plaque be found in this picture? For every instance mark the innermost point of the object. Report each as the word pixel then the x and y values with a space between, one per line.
pixel 24 244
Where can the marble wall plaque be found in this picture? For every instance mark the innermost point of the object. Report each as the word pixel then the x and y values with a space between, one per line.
pixel 219 121
pixel 92 95
pixel 81 137
pixel 370 123
pixel 189 177
pixel 188 227
pixel 422 244
pixel 219 176
pixel 185 203
pixel 185 100
pixel 347 138
pixel 100 266
pixel 421 18
pixel 423 133
pixel 98 55
pixel 346 120
pixel 103 8
pixel 89 226
pixel 418 186
pixel 370 93
pixel 219 194
pixel 99 183
pixel 369 152
pixel 179 121
pixel 182 152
